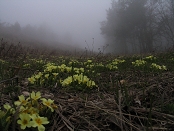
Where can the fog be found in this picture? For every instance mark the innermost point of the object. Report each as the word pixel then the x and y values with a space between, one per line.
pixel 71 21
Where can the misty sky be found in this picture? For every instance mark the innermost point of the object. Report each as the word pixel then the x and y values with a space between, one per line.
pixel 77 19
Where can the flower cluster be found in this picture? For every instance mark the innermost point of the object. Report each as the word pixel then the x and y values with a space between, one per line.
pixel 158 67
pixel 89 64
pixel 139 63
pixel 67 72
pixel 111 66
pixel 80 79
pixel 151 57
pixel 26 65
pixel 60 74
pixel 30 109
pixel 114 64
pixel 118 61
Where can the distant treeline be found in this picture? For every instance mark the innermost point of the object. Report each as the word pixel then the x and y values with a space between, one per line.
pixel 27 34
pixel 41 37
pixel 139 26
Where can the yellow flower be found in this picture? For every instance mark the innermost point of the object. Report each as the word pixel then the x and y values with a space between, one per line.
pixel 91 66
pixel 139 63
pixel 76 70
pixel 31 80
pixel 82 79
pixel 38 121
pixel 81 69
pixel 90 83
pixel 38 75
pixel 48 103
pixel 23 109
pixel 70 63
pixel 151 57
pixel 46 76
pixel 89 61
pixel 35 96
pixel 62 67
pixel 111 66
pixel 26 65
pixel 164 67
pixel 24 120
pixel 55 74
pixel 21 101
pixel 67 81
pixel 28 110
pixel 153 65
pixel 50 67
pixel 68 69
pixel 33 110
pixel 75 77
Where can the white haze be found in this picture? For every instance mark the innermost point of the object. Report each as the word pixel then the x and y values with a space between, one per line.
pixel 74 21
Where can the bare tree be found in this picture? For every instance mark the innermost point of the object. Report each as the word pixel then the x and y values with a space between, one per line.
pixel 167 21
pixel 137 25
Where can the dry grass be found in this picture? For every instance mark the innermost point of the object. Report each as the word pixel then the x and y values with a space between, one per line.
pixel 136 102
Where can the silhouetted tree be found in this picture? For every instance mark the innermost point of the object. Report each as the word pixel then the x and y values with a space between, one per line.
pixel 132 25
pixel 115 28
pixel 167 21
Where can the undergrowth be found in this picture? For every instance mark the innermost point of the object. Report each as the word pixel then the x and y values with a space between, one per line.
pixel 90 92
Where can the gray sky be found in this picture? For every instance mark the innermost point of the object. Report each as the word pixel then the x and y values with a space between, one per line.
pixel 78 19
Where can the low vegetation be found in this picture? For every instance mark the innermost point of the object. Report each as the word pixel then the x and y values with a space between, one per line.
pixel 41 91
